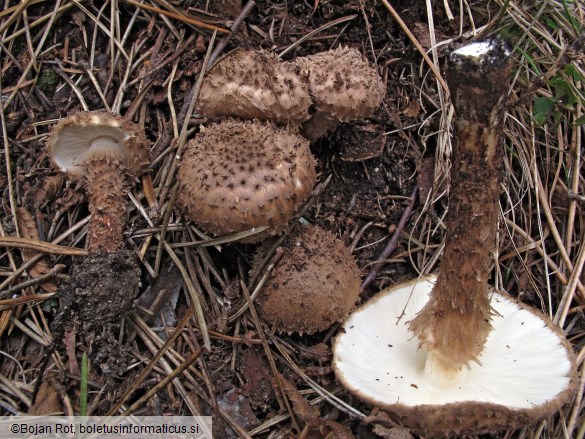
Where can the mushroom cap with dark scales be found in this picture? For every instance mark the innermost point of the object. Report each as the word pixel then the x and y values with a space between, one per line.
pixel 315 284
pixel 84 136
pixel 342 84
pixel 238 175
pixel 255 85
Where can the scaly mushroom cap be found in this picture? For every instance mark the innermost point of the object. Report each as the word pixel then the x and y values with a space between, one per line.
pixel 79 138
pixel 315 283
pixel 526 373
pixel 342 84
pixel 255 85
pixel 238 175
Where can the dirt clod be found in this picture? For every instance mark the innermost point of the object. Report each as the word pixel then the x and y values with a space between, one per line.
pixel 101 291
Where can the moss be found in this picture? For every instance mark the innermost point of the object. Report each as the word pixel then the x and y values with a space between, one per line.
pixel 47 80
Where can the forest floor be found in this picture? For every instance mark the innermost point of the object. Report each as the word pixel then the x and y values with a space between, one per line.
pixel 142 60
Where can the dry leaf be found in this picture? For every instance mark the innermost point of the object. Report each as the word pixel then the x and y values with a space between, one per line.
pixel 258 383
pixel 308 413
pixel 413 108
pixel 386 427
pixel 70 198
pixel 334 430
pixel 238 407
pixel 47 401
pixel 319 352
pixel 392 433
pixel 46 191
pixel 69 341
pixel 425 176
pixel 4 320
pixel 327 430
pixel 28 230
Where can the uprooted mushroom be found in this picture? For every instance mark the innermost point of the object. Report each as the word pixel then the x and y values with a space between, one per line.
pixel 102 150
pixel 479 361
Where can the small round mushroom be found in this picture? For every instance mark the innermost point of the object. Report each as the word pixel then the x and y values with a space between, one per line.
pixel 315 283
pixel 255 85
pixel 343 87
pixel 238 175
pixel 525 373
pixel 101 148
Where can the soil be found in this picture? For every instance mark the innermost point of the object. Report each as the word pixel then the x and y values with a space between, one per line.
pixel 101 290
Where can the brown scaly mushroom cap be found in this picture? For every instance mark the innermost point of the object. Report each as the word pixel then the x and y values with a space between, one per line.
pixel 238 175
pixel 102 148
pixel 255 85
pixel 78 138
pixel 343 87
pixel 315 284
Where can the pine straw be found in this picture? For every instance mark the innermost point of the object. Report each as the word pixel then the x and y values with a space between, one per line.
pixel 541 246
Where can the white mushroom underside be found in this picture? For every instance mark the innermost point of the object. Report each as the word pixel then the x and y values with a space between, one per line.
pixel 76 144
pixel 524 362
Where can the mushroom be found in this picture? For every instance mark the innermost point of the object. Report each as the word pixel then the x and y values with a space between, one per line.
pixel 343 87
pixel 239 175
pixel 480 361
pixel 101 148
pixel 314 284
pixel 255 85
pixel 525 373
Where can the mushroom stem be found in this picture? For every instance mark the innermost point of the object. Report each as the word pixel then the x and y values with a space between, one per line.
pixel 319 125
pixel 440 374
pixel 106 189
pixel 455 323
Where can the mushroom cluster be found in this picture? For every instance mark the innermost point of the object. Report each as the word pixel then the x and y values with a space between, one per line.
pixel 240 175
pixel 448 355
pixel 315 283
pixel 317 91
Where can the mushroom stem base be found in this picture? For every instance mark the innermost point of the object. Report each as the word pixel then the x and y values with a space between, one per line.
pixel 441 374
pixel 319 125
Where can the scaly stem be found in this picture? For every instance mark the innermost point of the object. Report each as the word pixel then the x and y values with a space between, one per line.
pixel 455 323
pixel 106 190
